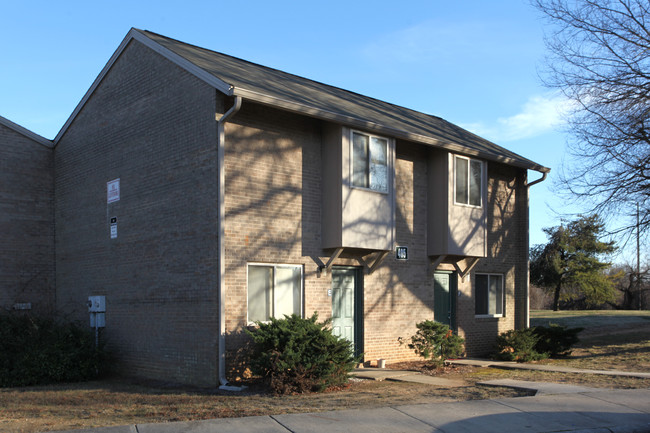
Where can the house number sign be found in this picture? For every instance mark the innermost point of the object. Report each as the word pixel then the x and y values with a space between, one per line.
pixel 401 253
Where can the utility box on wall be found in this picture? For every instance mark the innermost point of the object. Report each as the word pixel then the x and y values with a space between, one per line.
pixel 97 310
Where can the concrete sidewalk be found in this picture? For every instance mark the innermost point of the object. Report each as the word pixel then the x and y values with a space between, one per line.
pixel 553 408
pixel 406 376
pixel 544 367
pixel 595 411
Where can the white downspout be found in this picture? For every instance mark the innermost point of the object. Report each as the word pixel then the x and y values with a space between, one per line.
pixel 527 319
pixel 221 286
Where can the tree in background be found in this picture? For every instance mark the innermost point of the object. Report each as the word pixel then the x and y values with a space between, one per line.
pixel 631 290
pixel 568 266
pixel 600 59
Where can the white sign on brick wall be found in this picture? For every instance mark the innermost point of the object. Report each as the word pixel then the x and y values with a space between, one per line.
pixel 113 191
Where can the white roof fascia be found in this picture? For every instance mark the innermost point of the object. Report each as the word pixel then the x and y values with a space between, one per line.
pixel 171 56
pixel 361 123
pixel 26 132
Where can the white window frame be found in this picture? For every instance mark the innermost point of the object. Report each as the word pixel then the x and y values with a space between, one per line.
pixel 502 292
pixel 469 181
pixel 276 266
pixel 388 162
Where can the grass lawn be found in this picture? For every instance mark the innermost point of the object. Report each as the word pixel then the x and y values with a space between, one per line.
pixel 611 340
pixel 591 320
pixel 618 340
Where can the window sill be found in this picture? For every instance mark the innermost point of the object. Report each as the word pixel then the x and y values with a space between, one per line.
pixel 362 188
pixel 471 206
pixel 488 316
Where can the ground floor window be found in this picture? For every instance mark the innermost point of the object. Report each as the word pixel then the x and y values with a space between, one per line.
pixel 274 291
pixel 489 295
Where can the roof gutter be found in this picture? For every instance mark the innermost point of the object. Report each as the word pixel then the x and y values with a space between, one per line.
pixel 221 285
pixel 541 179
pixel 369 125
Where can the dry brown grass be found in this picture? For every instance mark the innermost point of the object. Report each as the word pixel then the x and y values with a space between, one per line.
pixel 97 404
pixel 623 346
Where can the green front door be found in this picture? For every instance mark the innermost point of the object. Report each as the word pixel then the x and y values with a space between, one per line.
pixel 444 298
pixel 345 318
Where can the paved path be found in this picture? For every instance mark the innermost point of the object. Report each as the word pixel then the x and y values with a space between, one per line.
pixel 601 411
pixel 553 408
pixel 546 367
pixel 406 376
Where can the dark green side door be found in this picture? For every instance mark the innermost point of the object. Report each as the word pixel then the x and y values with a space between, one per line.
pixel 444 298
pixel 346 308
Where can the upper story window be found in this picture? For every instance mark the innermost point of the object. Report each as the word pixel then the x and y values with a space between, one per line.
pixel 489 295
pixel 369 161
pixel 274 291
pixel 469 174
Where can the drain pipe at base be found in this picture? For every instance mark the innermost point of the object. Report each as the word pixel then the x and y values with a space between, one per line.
pixel 527 319
pixel 221 287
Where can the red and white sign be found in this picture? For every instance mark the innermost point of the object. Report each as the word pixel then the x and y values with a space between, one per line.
pixel 113 191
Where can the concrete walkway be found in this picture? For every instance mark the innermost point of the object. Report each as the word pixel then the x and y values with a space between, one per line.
pixel 601 411
pixel 553 408
pixel 406 376
pixel 545 367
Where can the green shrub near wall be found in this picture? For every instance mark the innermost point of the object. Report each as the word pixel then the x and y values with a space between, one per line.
pixel 519 345
pixel 296 355
pixel 436 342
pixel 36 351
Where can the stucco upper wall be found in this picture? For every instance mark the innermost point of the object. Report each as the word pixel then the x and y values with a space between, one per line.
pixel 355 217
pixel 454 229
pixel 467 224
pixel 152 125
pixel 26 222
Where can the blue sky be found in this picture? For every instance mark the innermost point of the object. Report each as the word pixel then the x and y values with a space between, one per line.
pixel 472 62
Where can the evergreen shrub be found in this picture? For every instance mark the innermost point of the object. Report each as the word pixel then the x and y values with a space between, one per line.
pixel 518 345
pixel 556 340
pixel 536 343
pixel 436 342
pixel 296 355
pixel 35 351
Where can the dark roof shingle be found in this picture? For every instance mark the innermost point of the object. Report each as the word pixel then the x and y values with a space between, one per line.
pixel 291 91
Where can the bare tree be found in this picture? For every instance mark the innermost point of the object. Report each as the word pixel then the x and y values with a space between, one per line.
pixel 632 288
pixel 600 59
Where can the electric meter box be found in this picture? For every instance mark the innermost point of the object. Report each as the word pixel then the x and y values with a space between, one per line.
pixel 96 304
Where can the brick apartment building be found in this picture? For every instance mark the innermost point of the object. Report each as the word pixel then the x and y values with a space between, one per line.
pixel 199 193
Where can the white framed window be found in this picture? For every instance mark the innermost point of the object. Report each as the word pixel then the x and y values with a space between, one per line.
pixel 369 166
pixel 468 181
pixel 489 295
pixel 273 291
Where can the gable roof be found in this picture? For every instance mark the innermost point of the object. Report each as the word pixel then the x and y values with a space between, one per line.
pixel 25 132
pixel 253 82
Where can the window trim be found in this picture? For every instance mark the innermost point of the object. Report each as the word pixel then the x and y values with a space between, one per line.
pixel 388 161
pixel 469 178
pixel 274 266
pixel 503 296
